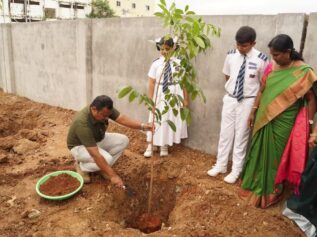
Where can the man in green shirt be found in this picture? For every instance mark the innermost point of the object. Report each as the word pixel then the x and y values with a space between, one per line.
pixel 93 148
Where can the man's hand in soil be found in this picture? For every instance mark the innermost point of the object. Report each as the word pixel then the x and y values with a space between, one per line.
pixel 117 181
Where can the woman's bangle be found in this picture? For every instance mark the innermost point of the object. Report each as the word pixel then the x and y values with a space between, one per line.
pixel 255 107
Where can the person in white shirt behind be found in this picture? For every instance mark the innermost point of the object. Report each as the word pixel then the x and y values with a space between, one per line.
pixel 243 69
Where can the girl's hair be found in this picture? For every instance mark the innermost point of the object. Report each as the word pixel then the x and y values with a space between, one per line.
pixel 283 43
pixel 165 40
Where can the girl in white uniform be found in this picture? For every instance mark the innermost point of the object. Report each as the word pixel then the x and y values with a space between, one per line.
pixel 164 136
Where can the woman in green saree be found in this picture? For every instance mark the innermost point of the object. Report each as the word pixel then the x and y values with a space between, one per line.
pixel 279 118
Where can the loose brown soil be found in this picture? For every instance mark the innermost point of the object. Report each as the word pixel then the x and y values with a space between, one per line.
pixel 59 185
pixel 187 201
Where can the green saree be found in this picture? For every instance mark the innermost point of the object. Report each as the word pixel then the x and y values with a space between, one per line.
pixel 280 103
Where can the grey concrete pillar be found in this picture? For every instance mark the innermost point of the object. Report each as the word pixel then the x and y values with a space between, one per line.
pixel 7 78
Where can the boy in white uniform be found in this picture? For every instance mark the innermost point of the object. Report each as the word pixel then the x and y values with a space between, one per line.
pixel 243 69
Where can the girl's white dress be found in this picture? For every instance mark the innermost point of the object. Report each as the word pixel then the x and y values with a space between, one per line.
pixel 164 135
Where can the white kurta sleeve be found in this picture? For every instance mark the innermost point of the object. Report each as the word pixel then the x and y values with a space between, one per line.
pixel 152 71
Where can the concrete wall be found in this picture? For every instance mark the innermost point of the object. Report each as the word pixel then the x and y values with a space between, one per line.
pixel 50 62
pixel 68 63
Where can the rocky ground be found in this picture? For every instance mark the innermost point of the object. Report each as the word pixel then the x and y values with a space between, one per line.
pixel 32 144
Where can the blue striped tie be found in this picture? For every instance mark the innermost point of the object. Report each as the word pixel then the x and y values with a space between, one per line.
pixel 238 90
pixel 167 76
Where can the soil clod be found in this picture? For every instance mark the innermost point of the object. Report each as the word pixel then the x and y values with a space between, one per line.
pixel 149 223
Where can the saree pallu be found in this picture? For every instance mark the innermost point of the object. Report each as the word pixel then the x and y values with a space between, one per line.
pixel 279 107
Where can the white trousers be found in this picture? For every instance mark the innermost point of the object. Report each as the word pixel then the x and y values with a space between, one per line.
pixel 111 148
pixel 234 132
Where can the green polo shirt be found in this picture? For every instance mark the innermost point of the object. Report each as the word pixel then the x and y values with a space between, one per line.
pixel 87 131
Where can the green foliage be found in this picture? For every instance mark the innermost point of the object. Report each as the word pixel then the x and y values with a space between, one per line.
pixel 192 34
pixel 100 9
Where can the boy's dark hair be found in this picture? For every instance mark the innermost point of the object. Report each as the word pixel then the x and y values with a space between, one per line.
pixel 245 34
pixel 102 101
pixel 283 43
pixel 167 40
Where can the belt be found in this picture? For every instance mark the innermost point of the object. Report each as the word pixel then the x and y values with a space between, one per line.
pixel 169 83
pixel 244 97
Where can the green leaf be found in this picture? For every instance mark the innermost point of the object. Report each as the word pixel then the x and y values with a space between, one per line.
pixel 124 91
pixel 182 112
pixel 186 8
pixel 194 95
pixel 175 112
pixel 158 114
pixel 189 118
pixel 141 99
pixel 165 110
pixel 199 41
pixel 190 13
pixel 163 2
pixel 179 11
pixel 172 102
pixel 172 125
pixel 159 14
pixel 189 19
pixel 203 96
pixel 133 95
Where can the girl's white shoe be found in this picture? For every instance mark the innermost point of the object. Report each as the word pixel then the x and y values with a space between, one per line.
pixel 164 151
pixel 148 151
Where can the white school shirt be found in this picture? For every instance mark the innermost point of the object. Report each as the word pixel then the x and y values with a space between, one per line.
pixel 158 66
pixel 255 65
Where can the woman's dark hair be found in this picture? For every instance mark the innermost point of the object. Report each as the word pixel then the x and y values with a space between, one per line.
pixel 283 43
pixel 245 34
pixel 101 102
pixel 167 40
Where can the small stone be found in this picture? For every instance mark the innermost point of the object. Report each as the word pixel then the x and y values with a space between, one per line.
pixel 265 223
pixel 33 214
pixel 178 189
pixel 11 201
pixel 45 133
pixel 122 223
pixel 245 213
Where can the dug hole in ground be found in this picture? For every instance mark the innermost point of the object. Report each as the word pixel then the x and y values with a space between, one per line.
pixel 189 203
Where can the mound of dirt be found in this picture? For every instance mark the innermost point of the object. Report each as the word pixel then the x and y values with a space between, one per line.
pixel 187 201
